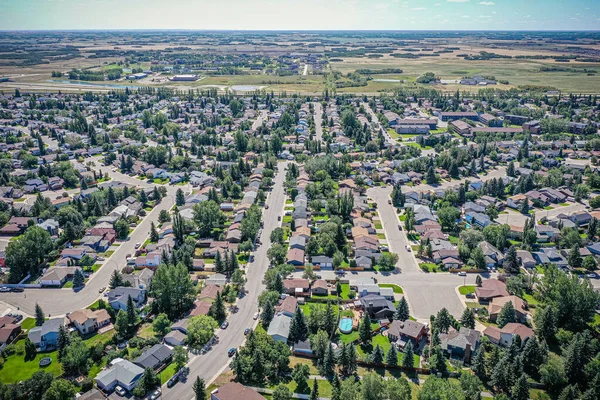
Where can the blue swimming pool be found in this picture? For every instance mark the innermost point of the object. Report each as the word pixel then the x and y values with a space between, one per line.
pixel 346 325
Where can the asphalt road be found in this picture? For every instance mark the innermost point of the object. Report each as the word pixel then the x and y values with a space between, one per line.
pixel 56 302
pixel 318 117
pixel 211 364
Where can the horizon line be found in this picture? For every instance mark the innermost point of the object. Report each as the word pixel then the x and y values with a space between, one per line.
pixel 289 30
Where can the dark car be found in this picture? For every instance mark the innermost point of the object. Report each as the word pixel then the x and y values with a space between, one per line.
pixel 18 290
pixel 171 382
pixel 246 331
pixel 231 352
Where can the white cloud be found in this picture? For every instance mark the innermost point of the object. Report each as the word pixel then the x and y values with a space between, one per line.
pixel 419 9
pixel 465 16
pixel 486 3
pixel 457 1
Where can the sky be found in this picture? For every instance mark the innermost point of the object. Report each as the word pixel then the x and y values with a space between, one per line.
pixel 301 14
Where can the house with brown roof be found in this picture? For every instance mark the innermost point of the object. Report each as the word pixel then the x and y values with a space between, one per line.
pixel 303 231
pixel 287 306
pixel 9 330
pixel 518 304
pixel 296 286
pixel 235 391
pixel 88 321
pixel 210 292
pixel 295 257
pixel 491 288
pixel 404 331
pixel 504 336
pixel 319 288
pixel 200 308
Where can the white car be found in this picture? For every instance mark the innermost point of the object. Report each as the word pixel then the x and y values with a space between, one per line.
pixel 120 391
pixel 462 273
pixel 255 317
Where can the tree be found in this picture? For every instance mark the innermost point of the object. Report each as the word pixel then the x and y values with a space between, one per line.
pixel 436 388
pixel 300 375
pixel 520 390
pixel 408 359
pixel 569 393
pixel 478 281
pixel 545 323
pixel 30 350
pixel 75 359
pixel 199 389
pixel 121 324
pixel 471 386
pixel 207 216
pixel 314 393
pixel 398 389
pixel 468 318
pixel 443 321
pixel 180 357
pixel 63 341
pixel 282 392
pixel 115 280
pixel 217 309
pixel 574 259
pixel 349 390
pixel 589 263
pixel 132 317
pixel 267 314
pixel 173 290
pixel 479 363
pixel 402 313
pixel 533 355
pixel 161 324
pixel 506 315
pixel 391 358
pixel 525 207
pixel 364 330
pixel 200 329
pixel 60 389
pixel 39 315
pixel 553 374
pixel 478 258
pixel 37 385
pixel 377 356
pixel 447 217
pixel 277 236
pixel 147 382
pixel 431 177
pixel 298 327
pixel 153 233
pixel 122 228
pixel 511 262
pixel 27 252
pixel 78 278
pixel 372 387
pixel 164 216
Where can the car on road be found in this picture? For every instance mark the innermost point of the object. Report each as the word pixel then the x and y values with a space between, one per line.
pixel 462 273
pixel 407 247
pixel 102 289
pixel 231 352
pixel 120 391
pixel 155 395
pixel 255 317
pixel 279 218
pixel 137 245
pixel 171 382
pixel 4 289
pixel 399 227
pixel 389 201
pixel 224 325
pixel 247 331
pixel 18 290
pixel 591 275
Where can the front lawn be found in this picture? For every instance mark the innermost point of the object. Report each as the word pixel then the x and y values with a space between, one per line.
pixel 167 373
pixel 28 323
pixel 397 289
pixel 429 267
pixel 381 236
pixel 464 290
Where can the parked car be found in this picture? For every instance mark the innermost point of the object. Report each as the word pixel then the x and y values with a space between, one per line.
pixel 247 331
pixel 389 201
pixel 407 248
pixel 120 391
pixel 4 289
pixel 255 317
pixel 470 295
pixel 155 395
pixel 462 273
pixel 231 352
pixel 102 289
pixel 224 325
pixel 171 382
pixel 137 245
pixel 18 290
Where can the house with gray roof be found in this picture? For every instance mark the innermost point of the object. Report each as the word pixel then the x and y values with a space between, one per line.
pixel 154 357
pixel 279 328
pixel 45 337
pixel 122 372
pixel 460 344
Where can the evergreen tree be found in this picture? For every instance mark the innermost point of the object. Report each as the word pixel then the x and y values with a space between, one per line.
pixel 468 318
pixel 131 313
pixel 267 314
pixel 443 321
pixel 39 315
pixel 502 375
pixel 391 358
pixel 78 278
pixel 478 281
pixel 569 393
pixel 479 364
pixel 506 315
pixel 364 330
pixel 402 313
pixel 351 360
pixel 314 393
pixel 217 309
pixel 511 261
pixel 179 198
pixel 115 280
pixel 336 388
pixel 408 360
pixel 377 355
pixel 525 207
pixel 219 267
pixel 574 259
pixel 520 390
pixel 63 341
pixel 534 356
pixel 545 323
pixel 298 327
pixel 199 389
pixel 153 233
pixel 329 361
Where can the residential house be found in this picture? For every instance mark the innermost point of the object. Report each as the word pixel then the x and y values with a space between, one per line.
pixel 504 336
pixel 490 289
pixel 497 303
pixel 235 391
pixel 402 332
pixel 297 287
pixel 57 276
pixel 122 373
pixel 493 256
pixel 550 255
pixel 323 262
pixel 154 357
pixel 175 338
pixel 378 307
pixel 319 288
pixel 45 337
pixel 287 306
pixel 295 257
pixel 279 328
pixel 460 344
pixel 88 321
pixel 119 296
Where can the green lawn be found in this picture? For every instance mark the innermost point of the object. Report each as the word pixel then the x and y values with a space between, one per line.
pixel 453 239
pixel 429 266
pixel 378 225
pixel 397 289
pixel 28 323
pixel 530 300
pixel 381 236
pixel 167 373
pixel 15 368
pixel 464 290
pixel 596 322
pixel 287 219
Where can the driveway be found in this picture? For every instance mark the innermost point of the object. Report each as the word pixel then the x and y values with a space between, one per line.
pixel 211 364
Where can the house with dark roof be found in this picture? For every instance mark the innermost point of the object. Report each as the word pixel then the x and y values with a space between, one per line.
pixel 377 306
pixel 45 337
pixel 154 357
pixel 490 289
pixel 404 331
pixel 460 344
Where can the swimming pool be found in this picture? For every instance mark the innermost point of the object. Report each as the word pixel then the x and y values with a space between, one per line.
pixel 346 325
